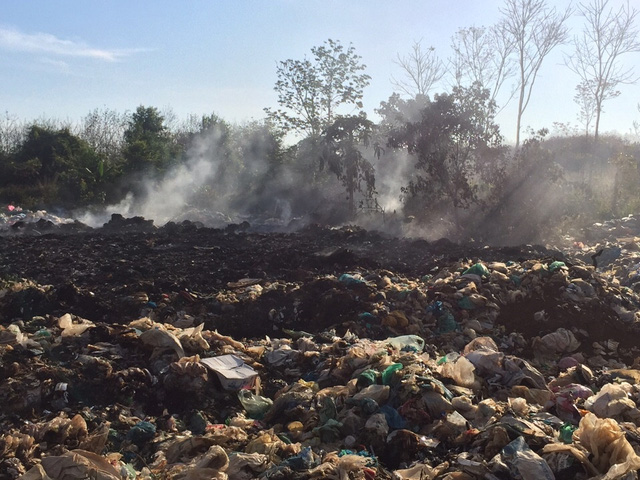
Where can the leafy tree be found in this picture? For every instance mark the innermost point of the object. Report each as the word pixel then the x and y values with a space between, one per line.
pixel 624 197
pixel 421 68
pixel 535 30
pixel 607 36
pixel 342 154
pixel 206 144
pixel 310 92
pixel 148 145
pixel 396 112
pixel 454 149
pixel 261 158
pixel 55 167
pixel 531 199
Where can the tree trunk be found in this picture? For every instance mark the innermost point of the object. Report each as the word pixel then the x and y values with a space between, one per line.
pixel 352 206
pixel 520 103
pixel 456 220
pixel 614 196
pixel 597 126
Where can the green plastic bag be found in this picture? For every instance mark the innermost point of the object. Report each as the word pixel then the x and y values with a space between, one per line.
pixel 477 269
pixel 566 433
pixel 367 377
pixel 387 375
pixel 557 265
pixel 255 405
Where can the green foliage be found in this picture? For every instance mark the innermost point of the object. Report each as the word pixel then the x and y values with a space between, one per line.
pixel 149 147
pixel 52 166
pixel 259 154
pixel 625 198
pixel 310 92
pixel 342 142
pixel 457 145
pixel 532 198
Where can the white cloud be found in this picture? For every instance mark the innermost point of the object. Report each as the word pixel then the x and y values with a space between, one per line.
pixel 60 65
pixel 14 40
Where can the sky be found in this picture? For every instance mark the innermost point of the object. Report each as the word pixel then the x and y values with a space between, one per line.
pixel 66 58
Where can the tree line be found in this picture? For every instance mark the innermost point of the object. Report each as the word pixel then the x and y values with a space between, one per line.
pixel 441 155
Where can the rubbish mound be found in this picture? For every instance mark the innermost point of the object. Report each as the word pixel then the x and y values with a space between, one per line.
pixel 185 352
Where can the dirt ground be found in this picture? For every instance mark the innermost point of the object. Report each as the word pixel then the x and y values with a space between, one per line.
pixel 96 273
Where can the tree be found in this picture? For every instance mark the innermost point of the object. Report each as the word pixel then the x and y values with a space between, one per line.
pixel 624 196
pixel 607 35
pixel 456 153
pixel 310 92
pixel 422 69
pixel 12 133
pixel 343 141
pixel 54 167
pixel 535 31
pixel 587 104
pixel 532 196
pixel 148 145
pixel 104 130
pixel 483 55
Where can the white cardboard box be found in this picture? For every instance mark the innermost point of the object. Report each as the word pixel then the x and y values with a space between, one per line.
pixel 231 370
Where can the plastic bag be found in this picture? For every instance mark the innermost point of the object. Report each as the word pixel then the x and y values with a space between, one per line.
pixel 612 454
pixel 406 342
pixel 560 341
pixel 388 373
pixel 379 393
pixel 76 464
pixel 461 371
pixel 255 405
pixel 611 401
pixel 420 471
pixel 477 269
pixel 377 425
pixel 245 465
pixel 524 463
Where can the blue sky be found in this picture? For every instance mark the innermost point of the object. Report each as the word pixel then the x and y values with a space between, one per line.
pixel 61 59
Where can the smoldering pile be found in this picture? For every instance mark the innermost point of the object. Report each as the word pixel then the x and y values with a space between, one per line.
pixel 363 356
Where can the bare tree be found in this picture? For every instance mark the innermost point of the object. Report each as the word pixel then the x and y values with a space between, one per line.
pixel 104 130
pixel 482 55
pixel 422 69
pixel 587 105
pixel 607 35
pixel 534 30
pixel 12 133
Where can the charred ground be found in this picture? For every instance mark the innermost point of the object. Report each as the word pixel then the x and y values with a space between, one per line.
pixel 129 267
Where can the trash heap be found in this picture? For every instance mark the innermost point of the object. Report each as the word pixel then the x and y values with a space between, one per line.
pixel 475 368
pixel 15 219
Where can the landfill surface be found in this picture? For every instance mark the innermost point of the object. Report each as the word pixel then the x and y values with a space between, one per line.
pixel 136 351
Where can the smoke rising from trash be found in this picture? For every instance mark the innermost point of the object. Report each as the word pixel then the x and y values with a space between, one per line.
pixel 206 188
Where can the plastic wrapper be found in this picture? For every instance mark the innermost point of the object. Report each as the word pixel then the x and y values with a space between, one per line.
pixel 612 454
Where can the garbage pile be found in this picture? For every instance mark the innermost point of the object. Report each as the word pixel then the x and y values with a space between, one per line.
pixel 329 354
pixel 15 219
